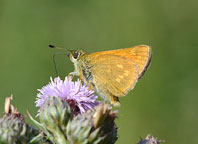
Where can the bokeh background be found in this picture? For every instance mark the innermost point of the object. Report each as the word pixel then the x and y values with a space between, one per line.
pixel 163 103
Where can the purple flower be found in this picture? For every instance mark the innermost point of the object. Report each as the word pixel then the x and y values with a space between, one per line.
pixel 75 94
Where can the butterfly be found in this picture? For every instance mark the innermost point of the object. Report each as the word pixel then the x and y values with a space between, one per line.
pixel 112 74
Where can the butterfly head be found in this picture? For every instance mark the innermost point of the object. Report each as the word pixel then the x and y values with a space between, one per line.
pixel 75 55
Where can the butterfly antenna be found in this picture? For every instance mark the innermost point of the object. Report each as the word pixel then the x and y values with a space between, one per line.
pixel 52 46
pixel 54 61
pixel 55 65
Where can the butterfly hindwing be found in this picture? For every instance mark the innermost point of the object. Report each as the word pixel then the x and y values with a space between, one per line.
pixel 114 74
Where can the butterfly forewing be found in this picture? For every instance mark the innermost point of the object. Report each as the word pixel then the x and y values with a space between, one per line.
pixel 114 74
pixel 141 55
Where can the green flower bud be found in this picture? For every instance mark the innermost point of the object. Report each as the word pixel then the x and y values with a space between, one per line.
pixel 13 128
pixel 93 127
pixel 54 116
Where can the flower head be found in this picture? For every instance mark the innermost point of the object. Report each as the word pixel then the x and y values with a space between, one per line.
pixel 75 94
pixel 150 140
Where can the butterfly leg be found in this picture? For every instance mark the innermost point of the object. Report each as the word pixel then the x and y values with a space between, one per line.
pixel 79 88
pixel 75 73
pixel 89 85
pixel 72 74
pixel 115 101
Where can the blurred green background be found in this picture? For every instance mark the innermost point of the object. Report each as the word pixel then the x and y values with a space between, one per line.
pixel 163 103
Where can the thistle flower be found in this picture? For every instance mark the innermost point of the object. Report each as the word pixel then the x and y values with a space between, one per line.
pixel 61 126
pixel 13 128
pixel 150 140
pixel 75 94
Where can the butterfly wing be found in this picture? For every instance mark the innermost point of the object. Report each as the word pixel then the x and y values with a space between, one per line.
pixel 141 55
pixel 113 75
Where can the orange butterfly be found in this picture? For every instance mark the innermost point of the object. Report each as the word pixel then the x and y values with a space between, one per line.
pixel 112 74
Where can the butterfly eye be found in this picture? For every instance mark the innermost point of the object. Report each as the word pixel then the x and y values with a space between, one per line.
pixel 75 55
